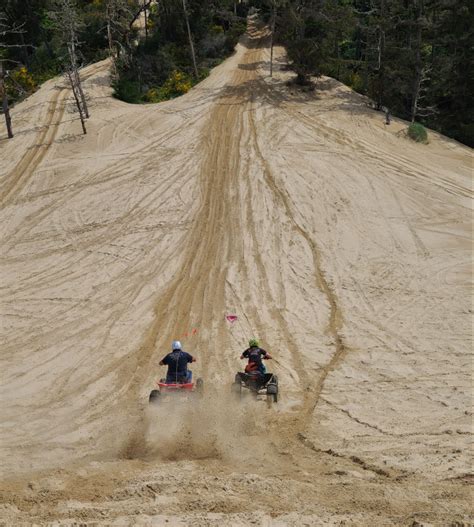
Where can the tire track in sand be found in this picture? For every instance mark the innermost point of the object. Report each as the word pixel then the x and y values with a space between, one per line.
pixel 335 314
pixel 22 172
pixel 196 296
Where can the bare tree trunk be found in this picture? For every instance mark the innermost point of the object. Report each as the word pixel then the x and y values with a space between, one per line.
pixel 24 50
pixel 418 68
pixel 77 78
pixel 146 20
pixel 191 45
pixel 111 48
pixel 6 109
pixel 109 38
pixel 76 98
pixel 81 93
pixel 380 58
pixel 416 94
pixel 271 38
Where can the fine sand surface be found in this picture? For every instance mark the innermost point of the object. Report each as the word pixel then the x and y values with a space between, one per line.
pixel 339 243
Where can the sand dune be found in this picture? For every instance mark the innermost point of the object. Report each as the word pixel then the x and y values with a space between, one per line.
pixel 341 244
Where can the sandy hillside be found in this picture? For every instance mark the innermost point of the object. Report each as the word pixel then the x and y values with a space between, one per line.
pixel 338 242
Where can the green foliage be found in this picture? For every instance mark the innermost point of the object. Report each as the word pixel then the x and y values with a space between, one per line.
pixel 414 58
pixel 160 66
pixel 22 78
pixel 356 82
pixel 178 83
pixel 127 90
pixel 418 133
pixel 44 64
pixel 19 84
pixel 216 30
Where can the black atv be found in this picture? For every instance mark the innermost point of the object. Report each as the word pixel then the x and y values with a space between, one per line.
pixel 258 384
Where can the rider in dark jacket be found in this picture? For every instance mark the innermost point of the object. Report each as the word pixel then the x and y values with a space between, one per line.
pixel 177 362
pixel 254 353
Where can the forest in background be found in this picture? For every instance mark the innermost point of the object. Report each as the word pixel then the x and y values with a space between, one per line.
pixel 413 58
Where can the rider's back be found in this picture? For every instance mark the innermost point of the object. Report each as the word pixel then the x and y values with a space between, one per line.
pixel 177 362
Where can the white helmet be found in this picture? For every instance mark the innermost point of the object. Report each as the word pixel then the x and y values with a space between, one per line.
pixel 176 345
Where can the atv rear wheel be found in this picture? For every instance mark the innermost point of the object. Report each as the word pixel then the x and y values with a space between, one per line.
pixel 272 389
pixel 154 397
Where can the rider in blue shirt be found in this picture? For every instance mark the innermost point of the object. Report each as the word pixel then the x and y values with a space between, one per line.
pixel 177 362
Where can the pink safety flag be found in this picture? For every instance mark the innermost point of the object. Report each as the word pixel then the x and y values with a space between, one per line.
pixel 231 318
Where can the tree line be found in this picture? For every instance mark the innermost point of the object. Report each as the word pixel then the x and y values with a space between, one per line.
pixel 413 58
pixel 158 48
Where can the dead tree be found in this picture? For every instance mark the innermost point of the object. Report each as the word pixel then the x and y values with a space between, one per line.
pixel 272 36
pixel 145 13
pixel 5 30
pixel 422 70
pixel 418 108
pixel 275 5
pixel 3 88
pixel 120 19
pixel 67 24
pixel 74 88
pixel 3 94
pixel 190 37
pixel 117 15
pixel 77 78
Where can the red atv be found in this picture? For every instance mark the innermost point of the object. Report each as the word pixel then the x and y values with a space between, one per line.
pixel 179 389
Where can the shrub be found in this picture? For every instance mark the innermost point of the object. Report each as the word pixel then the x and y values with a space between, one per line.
pixel 127 90
pixel 418 133
pixel 177 84
pixel 44 65
pixel 216 29
pixel 237 29
pixel 356 82
pixel 212 45
pixel 153 95
pixel 22 78
pixel 20 84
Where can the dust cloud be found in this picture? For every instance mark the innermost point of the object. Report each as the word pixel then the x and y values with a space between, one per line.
pixel 215 426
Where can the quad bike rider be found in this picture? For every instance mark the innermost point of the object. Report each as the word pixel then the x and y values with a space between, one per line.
pixel 255 354
pixel 177 362
pixel 255 378
pixel 178 381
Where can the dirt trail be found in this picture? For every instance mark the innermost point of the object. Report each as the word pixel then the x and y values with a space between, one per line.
pixel 339 243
